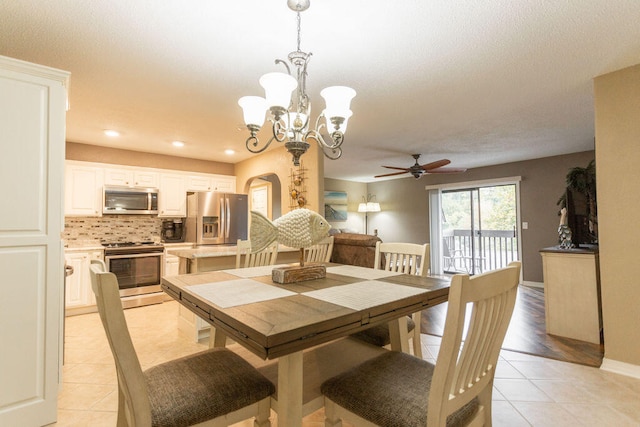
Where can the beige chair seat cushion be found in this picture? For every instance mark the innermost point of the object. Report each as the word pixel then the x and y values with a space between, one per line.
pixel 391 390
pixel 203 386
pixel 379 335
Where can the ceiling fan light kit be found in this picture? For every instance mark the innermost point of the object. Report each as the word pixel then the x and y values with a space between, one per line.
pixel 417 170
pixel 290 115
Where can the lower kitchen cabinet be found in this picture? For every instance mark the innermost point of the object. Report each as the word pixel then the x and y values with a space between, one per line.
pixel 172 262
pixel 79 298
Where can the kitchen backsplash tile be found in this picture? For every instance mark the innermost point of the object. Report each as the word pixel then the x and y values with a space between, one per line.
pixel 112 228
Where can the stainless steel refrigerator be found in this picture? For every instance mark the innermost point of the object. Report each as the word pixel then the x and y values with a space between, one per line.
pixel 215 218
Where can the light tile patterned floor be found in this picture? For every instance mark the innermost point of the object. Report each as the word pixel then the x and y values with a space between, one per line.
pixel 529 391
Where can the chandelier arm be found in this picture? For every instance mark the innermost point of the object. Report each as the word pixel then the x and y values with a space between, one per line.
pixel 332 151
pixel 279 130
pixel 280 61
pixel 253 141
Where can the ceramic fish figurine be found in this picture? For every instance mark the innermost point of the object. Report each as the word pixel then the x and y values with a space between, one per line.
pixel 300 228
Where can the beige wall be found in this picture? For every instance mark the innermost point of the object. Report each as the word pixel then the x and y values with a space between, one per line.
pixel 355 193
pixel 114 156
pixel 617 107
pixel 278 161
pixel 405 206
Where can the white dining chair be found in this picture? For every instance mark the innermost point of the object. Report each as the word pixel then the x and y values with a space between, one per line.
pixel 401 390
pixel 407 258
pixel 245 258
pixel 215 387
pixel 320 252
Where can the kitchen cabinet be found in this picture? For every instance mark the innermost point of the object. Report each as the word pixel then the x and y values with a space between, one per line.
pixel 83 190
pixel 79 297
pixel 172 200
pixel 211 183
pixel 172 262
pixel 130 178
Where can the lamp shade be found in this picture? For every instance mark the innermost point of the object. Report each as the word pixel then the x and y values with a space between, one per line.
pixel 373 207
pixel 338 100
pixel 278 88
pixel 343 127
pixel 362 207
pixel 254 109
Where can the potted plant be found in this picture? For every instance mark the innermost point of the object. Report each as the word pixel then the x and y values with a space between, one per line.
pixel 580 201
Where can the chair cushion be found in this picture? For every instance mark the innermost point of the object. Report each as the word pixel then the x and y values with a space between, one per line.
pixel 203 386
pixel 379 335
pixel 391 390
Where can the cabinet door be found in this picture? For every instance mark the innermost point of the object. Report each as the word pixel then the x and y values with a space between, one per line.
pixel 130 178
pixel 118 177
pixel 75 285
pixel 171 265
pixel 172 200
pixel 226 184
pixel 199 183
pixel 83 191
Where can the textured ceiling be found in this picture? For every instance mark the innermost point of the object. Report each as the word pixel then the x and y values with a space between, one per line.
pixel 479 82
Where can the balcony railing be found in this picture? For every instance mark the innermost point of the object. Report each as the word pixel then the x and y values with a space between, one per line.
pixel 485 251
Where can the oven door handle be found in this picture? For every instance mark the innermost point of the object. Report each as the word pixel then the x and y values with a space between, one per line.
pixel 147 254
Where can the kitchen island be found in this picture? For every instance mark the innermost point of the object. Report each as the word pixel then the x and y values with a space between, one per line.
pixel 218 257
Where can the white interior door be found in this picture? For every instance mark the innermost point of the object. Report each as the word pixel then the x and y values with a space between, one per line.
pixel 32 137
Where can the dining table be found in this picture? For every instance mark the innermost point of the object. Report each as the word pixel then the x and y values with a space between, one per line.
pixel 284 323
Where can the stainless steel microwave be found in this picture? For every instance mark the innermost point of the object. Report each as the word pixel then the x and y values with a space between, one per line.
pixel 125 200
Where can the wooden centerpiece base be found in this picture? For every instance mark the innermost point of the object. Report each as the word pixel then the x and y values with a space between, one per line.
pixel 297 273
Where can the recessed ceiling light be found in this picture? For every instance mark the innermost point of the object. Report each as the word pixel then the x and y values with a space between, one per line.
pixel 229 152
pixel 178 143
pixel 112 133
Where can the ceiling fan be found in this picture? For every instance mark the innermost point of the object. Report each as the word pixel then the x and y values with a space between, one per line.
pixel 418 170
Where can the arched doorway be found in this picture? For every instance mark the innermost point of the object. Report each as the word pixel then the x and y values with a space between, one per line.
pixel 265 194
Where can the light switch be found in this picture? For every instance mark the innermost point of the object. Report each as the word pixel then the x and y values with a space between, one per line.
pixel 525 225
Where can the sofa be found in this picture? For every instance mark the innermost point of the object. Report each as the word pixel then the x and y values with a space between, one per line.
pixel 354 249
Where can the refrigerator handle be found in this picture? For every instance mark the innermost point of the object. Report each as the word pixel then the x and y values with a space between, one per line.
pixel 223 218
pixel 228 219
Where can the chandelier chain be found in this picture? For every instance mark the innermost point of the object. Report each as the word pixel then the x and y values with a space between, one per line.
pixel 299 20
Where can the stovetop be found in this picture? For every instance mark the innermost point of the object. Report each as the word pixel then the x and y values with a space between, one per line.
pixel 128 244
pixel 128 247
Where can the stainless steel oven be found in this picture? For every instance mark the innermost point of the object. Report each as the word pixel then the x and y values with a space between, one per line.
pixel 138 267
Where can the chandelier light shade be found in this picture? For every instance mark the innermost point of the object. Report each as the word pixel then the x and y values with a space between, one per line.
pixel 289 106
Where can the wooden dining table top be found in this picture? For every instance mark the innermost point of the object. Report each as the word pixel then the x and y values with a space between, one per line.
pixel 273 320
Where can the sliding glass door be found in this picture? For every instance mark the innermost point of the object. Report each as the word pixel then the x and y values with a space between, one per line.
pixel 478 228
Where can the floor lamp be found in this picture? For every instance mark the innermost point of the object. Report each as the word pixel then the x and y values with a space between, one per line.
pixel 368 205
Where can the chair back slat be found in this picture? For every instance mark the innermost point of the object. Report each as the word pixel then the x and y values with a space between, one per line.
pixel 407 258
pixel 245 258
pixel 320 252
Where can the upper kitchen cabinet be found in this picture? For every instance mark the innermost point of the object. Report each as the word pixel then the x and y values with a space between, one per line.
pixel 131 178
pixel 211 183
pixel 83 190
pixel 172 200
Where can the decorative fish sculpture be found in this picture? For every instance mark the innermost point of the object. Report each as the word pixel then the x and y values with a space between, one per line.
pixel 300 228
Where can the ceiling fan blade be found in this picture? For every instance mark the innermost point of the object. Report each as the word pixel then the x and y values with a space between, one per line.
pixel 447 170
pixel 394 167
pixel 436 164
pixel 391 174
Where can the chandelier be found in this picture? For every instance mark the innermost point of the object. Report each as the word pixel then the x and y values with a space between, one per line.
pixel 290 113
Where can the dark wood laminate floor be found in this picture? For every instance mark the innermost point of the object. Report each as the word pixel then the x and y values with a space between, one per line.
pixel 527 331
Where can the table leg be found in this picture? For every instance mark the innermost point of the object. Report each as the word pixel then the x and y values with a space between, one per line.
pixel 217 338
pixel 290 390
pixel 398 334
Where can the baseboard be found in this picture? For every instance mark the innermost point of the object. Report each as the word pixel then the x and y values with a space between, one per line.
pixel 621 368
pixel 533 284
